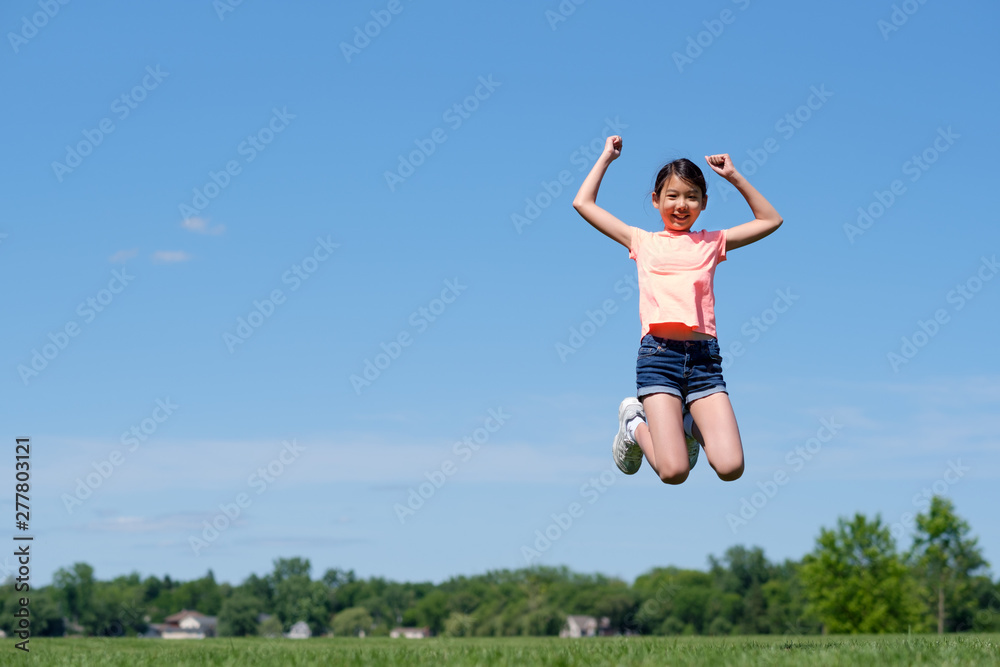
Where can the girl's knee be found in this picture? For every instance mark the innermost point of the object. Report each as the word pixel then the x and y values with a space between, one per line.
pixel 730 473
pixel 670 475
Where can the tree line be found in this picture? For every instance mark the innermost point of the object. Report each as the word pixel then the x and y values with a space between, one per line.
pixel 854 581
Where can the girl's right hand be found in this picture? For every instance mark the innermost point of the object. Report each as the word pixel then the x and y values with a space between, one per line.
pixel 613 147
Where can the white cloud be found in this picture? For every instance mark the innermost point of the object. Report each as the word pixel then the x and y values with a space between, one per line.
pixel 122 256
pixel 890 430
pixel 140 524
pixel 200 226
pixel 170 256
pixel 162 465
pixel 897 431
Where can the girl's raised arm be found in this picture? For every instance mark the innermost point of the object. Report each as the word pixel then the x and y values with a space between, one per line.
pixel 585 201
pixel 767 219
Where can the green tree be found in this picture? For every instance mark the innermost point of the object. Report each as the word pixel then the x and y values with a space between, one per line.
pixel 286 568
pixel 947 560
pixel 619 605
pixel 110 609
pixel 76 594
pixel 856 582
pixel 397 599
pixel 544 620
pixel 43 606
pixel 297 597
pixel 260 588
pixel 720 626
pixel 335 577
pixel 742 573
pixel 118 606
pixel 674 601
pixel 352 621
pixel 459 625
pixel 786 602
pixel 270 627
pixel 204 595
pixel 987 618
pixel 46 621
pixel 238 616
pixel 430 611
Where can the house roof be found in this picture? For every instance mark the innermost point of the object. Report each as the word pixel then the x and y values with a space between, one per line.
pixel 203 620
pixel 299 630
pixel 182 614
pixel 580 620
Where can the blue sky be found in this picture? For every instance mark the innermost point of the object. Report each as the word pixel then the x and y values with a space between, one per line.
pixel 202 247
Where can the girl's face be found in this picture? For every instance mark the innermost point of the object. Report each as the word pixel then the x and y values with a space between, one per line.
pixel 680 203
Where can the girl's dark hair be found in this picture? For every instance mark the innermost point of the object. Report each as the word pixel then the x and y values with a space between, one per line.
pixel 685 170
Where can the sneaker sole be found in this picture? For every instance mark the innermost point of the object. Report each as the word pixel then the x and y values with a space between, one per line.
pixel 692 443
pixel 630 452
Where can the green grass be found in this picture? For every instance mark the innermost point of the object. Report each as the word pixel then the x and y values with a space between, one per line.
pixel 978 649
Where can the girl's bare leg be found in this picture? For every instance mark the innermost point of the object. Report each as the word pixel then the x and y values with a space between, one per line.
pixel 716 428
pixel 661 437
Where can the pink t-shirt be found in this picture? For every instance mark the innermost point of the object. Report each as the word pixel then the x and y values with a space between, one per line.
pixel 676 276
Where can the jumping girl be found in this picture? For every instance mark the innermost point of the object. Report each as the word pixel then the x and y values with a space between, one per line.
pixel 678 371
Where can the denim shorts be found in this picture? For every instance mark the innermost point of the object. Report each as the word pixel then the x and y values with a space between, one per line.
pixel 688 369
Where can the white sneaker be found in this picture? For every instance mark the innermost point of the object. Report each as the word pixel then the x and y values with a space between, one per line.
pixel 692 442
pixel 624 449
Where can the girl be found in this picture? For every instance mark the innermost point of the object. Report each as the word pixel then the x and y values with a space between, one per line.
pixel 678 371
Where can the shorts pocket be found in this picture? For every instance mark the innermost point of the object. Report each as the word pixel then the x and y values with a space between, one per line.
pixel 648 348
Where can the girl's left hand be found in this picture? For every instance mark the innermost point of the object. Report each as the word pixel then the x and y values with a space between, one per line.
pixel 722 165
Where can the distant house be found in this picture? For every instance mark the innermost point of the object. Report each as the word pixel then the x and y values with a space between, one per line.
pixel 299 631
pixel 269 626
pixel 410 633
pixel 72 628
pixel 185 624
pixel 586 626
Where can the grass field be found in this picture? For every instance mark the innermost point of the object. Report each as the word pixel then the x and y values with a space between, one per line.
pixel 438 652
